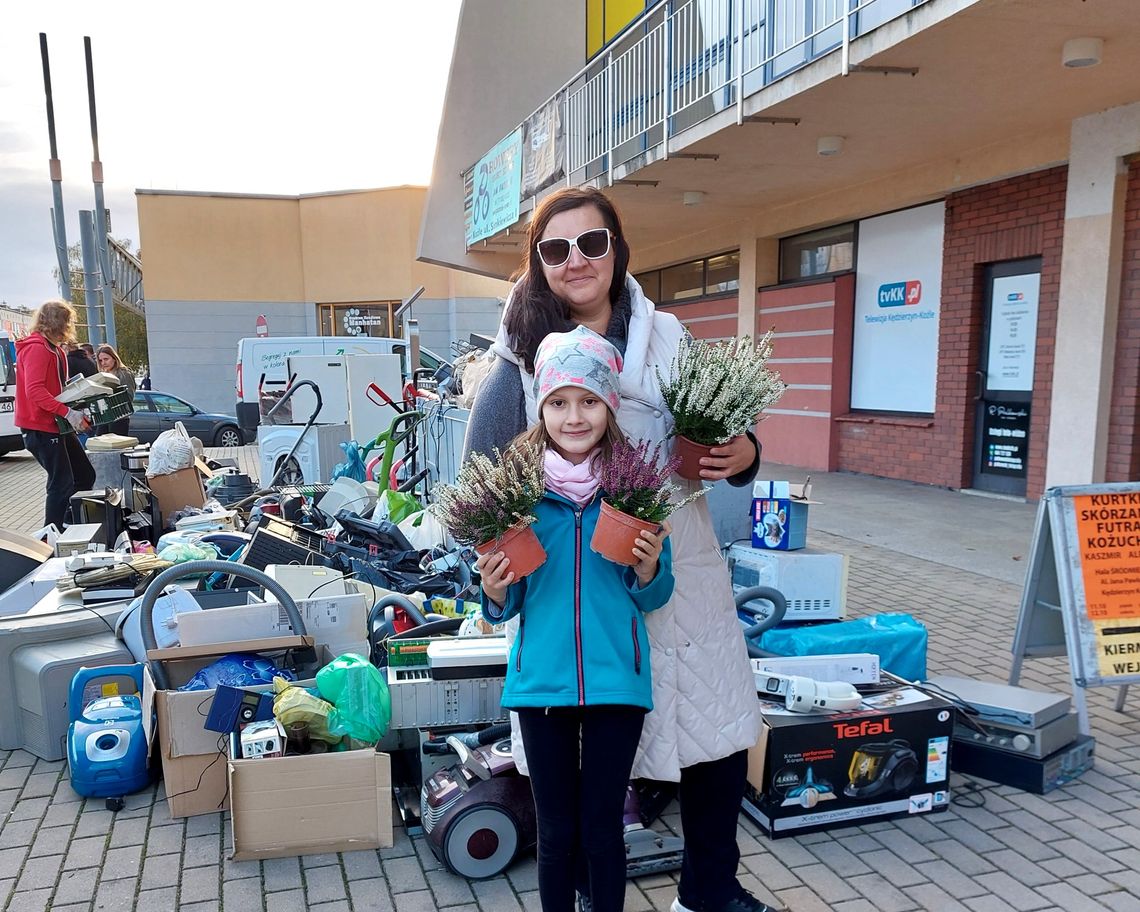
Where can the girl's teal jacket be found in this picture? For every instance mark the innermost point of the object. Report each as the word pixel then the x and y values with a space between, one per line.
pixel 581 639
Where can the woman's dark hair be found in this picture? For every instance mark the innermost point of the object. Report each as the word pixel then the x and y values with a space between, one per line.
pixel 536 311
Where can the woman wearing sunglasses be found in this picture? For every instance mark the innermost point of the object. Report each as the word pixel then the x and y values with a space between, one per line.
pixel 705 715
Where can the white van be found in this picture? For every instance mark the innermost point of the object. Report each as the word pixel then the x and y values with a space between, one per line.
pixel 262 361
pixel 10 439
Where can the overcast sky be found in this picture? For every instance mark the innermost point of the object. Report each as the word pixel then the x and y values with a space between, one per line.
pixel 241 96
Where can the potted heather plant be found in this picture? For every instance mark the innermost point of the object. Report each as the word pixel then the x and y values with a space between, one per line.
pixel 717 391
pixel 636 495
pixel 491 505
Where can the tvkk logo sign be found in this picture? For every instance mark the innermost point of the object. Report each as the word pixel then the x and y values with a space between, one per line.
pixel 898 294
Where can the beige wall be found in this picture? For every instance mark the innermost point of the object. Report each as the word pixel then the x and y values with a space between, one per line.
pixel 202 247
pixel 510 57
pixel 335 247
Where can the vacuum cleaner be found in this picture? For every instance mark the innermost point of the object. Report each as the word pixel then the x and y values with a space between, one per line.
pixel 106 740
pixel 478 815
pixel 881 768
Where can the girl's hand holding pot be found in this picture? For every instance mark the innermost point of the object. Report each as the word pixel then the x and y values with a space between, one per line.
pixel 496 576
pixel 728 459
pixel 647 550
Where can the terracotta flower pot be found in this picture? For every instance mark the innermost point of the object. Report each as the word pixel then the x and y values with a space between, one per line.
pixel 522 548
pixel 691 454
pixel 616 533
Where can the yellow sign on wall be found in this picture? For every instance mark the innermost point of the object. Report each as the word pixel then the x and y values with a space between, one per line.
pixel 606 18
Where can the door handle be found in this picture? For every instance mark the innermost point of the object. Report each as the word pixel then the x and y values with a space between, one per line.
pixel 981 385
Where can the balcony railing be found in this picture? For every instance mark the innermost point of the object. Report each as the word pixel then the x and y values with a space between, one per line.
pixel 682 62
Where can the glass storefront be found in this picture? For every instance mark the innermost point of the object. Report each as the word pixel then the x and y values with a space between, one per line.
pixel 696 279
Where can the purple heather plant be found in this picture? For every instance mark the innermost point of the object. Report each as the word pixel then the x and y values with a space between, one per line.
pixel 636 481
pixel 490 496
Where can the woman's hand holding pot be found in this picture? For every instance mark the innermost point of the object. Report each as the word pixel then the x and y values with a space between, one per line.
pixel 728 459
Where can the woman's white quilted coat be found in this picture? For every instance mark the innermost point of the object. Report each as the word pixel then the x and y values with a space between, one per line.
pixel 704 696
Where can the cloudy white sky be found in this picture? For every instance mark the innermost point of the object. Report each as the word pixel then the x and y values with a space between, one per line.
pixel 238 96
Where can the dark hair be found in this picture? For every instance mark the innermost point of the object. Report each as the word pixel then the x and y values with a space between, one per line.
pixel 536 311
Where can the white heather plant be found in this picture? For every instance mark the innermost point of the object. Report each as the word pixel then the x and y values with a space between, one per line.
pixel 491 496
pixel 716 391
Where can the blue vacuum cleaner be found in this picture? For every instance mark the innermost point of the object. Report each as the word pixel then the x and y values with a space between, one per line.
pixel 106 740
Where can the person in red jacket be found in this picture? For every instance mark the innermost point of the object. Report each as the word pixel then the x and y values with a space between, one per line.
pixel 41 368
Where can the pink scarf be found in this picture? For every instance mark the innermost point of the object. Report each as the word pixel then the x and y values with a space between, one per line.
pixel 574 482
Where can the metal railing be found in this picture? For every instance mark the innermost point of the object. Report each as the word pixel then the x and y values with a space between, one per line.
pixel 126 277
pixel 684 61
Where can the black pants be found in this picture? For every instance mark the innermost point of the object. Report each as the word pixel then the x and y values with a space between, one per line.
pixel 67 467
pixel 710 797
pixel 580 759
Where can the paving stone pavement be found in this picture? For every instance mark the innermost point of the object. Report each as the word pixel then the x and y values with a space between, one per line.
pixel 995 850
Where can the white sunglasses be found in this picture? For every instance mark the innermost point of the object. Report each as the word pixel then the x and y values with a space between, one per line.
pixel 593 245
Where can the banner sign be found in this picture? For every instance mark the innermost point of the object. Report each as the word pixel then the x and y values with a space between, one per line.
pixel 1082 589
pixel 898 290
pixel 492 201
pixel 1005 439
pixel 544 147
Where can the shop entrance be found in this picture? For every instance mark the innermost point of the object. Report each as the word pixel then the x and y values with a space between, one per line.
pixel 1005 376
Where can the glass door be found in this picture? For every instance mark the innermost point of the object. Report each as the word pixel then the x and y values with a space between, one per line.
pixel 1005 376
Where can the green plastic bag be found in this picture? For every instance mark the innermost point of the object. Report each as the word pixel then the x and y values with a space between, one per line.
pixel 362 706
pixel 396 506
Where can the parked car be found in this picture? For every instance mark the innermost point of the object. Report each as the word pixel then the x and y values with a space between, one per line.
pixel 156 412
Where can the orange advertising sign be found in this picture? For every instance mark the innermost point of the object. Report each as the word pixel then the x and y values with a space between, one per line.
pixel 1108 539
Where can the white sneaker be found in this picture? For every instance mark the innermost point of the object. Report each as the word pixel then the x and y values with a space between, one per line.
pixel 678 907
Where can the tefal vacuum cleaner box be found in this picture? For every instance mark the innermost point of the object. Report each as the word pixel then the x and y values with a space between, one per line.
pixel 813 771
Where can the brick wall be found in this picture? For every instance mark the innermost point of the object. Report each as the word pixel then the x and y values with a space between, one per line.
pixel 1010 219
pixel 1123 462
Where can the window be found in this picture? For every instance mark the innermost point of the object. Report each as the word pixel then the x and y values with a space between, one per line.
pixel 684 281
pixel 713 275
pixel 817 253
pixel 723 273
pixel 141 402
pixel 168 405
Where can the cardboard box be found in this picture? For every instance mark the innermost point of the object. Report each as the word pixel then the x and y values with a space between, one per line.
pixel 177 491
pixel 310 804
pixel 779 515
pixel 817 771
pixel 193 758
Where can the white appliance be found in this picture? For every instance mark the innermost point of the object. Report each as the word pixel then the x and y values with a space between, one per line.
pixel 316 457
pixel 814 582
pixel 328 374
pixel 365 376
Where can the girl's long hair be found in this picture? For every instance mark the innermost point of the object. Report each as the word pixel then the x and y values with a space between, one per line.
pixel 536 311
pixel 55 321
pixel 539 435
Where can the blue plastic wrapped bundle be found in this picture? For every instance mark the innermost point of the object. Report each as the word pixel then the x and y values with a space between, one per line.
pixel 237 669
pixel 897 639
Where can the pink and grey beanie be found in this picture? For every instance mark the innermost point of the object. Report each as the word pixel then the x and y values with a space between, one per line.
pixel 578 358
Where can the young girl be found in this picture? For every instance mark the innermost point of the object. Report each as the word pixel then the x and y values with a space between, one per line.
pixel 578 674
